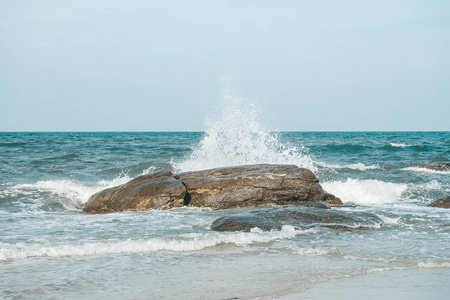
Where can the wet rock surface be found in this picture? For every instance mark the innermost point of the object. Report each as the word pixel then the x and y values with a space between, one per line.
pixel 155 191
pixel 297 216
pixel 442 203
pixel 251 186
pixel 221 188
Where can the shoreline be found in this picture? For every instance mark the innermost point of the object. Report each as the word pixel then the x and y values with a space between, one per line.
pixel 390 284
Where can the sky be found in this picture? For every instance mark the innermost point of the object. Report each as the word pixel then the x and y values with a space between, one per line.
pixel 143 65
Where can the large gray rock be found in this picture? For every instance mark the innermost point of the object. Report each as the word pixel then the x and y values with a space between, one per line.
pixel 442 203
pixel 232 187
pixel 437 166
pixel 251 186
pixel 155 191
pixel 297 216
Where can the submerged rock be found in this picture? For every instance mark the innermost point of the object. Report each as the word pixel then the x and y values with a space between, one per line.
pixel 297 216
pixel 155 191
pixel 251 186
pixel 437 166
pixel 231 187
pixel 442 203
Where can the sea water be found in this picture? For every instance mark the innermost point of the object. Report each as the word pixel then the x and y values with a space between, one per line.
pixel 50 249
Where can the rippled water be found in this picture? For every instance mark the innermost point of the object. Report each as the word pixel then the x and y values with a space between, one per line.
pixel 50 249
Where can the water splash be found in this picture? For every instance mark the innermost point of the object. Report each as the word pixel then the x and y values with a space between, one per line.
pixel 366 192
pixel 238 138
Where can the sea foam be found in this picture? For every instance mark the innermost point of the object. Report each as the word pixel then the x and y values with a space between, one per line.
pixel 238 138
pixel 366 192
pixel 192 242
pixel 356 166
pixel 71 194
pixel 401 145
pixel 426 170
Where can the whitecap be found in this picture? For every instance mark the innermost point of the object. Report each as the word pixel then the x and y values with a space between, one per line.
pixel 426 170
pixel 401 145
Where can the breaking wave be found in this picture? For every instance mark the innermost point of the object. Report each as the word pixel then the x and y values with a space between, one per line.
pixel 193 242
pixel 377 192
pixel 357 166
pixel 401 145
pixel 426 170
pixel 238 138
pixel 366 192
pixel 71 194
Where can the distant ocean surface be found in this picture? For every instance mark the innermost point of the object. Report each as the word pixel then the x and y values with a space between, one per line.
pixel 50 249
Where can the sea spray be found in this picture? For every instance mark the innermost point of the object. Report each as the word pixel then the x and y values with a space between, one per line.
pixel 238 138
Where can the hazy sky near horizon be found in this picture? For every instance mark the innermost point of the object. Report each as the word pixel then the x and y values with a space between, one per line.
pixel 160 65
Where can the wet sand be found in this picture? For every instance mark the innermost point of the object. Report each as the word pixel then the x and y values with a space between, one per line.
pixel 397 284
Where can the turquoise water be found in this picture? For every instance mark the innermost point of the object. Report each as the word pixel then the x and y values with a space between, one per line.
pixel 50 249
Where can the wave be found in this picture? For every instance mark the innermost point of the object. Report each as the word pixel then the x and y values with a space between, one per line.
pixel 389 221
pixel 12 144
pixel 347 147
pixel 193 242
pixel 71 194
pixel 377 192
pixel 357 166
pixel 433 265
pixel 317 251
pixel 366 192
pixel 426 170
pixel 237 138
pixel 401 145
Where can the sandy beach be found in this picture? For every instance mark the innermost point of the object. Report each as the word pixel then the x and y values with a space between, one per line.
pixel 394 284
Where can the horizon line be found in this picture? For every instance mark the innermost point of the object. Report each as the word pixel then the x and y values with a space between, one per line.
pixel 195 131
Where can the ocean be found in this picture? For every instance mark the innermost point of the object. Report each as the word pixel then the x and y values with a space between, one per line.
pixel 50 249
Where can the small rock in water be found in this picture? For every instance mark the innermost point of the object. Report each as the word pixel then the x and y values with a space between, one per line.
pixel 297 216
pixel 442 203
pixel 332 200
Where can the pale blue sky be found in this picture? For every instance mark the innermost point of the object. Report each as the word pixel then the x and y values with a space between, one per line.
pixel 159 65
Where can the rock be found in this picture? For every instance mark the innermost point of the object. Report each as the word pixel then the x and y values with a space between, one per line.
pixel 232 187
pixel 297 216
pixel 332 200
pixel 158 190
pixel 442 203
pixel 437 166
pixel 251 186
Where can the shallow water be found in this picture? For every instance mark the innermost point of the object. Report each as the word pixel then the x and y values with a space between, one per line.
pixel 49 248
